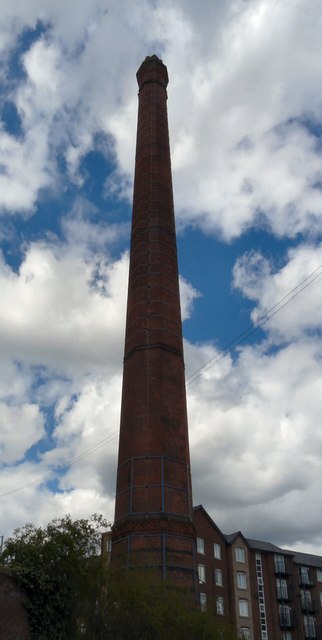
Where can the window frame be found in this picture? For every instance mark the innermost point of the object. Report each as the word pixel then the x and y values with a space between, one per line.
pixel 200 545
pixel 218 578
pixel 309 626
pixel 240 554
pixel 220 606
pixel 285 614
pixel 202 573
pixel 241 574
pixel 304 575
pixel 245 633
pixel 282 588
pixel 306 598
pixel 243 603
pixel 217 551
pixel 203 601
pixel 279 563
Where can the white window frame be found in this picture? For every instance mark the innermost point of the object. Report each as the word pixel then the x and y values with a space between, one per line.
pixel 218 577
pixel 305 575
pixel 243 608
pixel 220 607
pixel 201 573
pixel 240 554
pixel 306 597
pixel 309 627
pixel 279 562
pixel 319 575
pixel 245 633
pixel 203 601
pixel 241 578
pixel 285 612
pixel 200 546
pixel 282 589
pixel 217 551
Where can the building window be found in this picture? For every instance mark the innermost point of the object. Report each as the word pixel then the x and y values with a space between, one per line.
pixel 201 573
pixel 285 615
pixel 241 580
pixel 245 633
pixel 243 608
pixel 279 564
pixel 309 627
pixel 217 551
pixel 321 599
pixel 281 586
pixel 306 599
pixel 201 546
pixel 287 635
pixel 220 606
pixel 304 575
pixel 203 601
pixel 218 577
pixel 240 554
pixel 319 575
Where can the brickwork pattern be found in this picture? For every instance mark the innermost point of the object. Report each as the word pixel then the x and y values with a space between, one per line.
pixel 153 478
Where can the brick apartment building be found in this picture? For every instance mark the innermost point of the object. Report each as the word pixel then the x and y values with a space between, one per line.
pixel 265 592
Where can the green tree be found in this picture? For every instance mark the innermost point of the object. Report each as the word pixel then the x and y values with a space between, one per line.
pixel 62 573
pixel 141 607
pixel 72 595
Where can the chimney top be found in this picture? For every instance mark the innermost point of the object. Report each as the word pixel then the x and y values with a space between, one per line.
pixel 152 69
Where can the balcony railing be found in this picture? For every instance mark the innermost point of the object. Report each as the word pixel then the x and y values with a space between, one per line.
pixel 281 568
pixel 306 581
pixel 310 606
pixel 284 593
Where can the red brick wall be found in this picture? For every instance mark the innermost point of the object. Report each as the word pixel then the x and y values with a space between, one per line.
pixel 206 530
pixel 13 615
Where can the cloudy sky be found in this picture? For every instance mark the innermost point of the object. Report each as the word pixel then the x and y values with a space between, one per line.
pixel 245 114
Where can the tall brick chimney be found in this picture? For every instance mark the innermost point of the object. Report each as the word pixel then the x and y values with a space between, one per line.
pixel 153 510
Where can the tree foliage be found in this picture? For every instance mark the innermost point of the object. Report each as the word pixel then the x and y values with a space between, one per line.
pixel 141 607
pixel 72 595
pixel 61 572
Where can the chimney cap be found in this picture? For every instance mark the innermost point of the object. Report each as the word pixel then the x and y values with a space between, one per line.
pixel 153 58
pixel 152 69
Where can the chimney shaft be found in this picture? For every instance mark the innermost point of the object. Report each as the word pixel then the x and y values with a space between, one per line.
pixel 153 510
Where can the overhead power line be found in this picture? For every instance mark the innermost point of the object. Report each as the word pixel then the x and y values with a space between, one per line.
pixel 66 465
pixel 261 320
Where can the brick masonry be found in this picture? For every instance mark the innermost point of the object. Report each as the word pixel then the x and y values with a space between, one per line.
pixel 153 509
pixel 13 616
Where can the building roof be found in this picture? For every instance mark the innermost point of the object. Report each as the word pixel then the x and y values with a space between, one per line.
pixel 261 545
pixel 307 559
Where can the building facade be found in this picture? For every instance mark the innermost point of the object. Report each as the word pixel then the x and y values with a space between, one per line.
pixel 263 591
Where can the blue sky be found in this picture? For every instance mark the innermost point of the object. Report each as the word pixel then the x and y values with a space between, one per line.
pixel 245 117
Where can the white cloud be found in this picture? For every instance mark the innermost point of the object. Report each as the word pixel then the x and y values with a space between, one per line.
pixel 243 83
pixel 29 429
pixel 292 293
pixel 253 426
pixel 60 308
